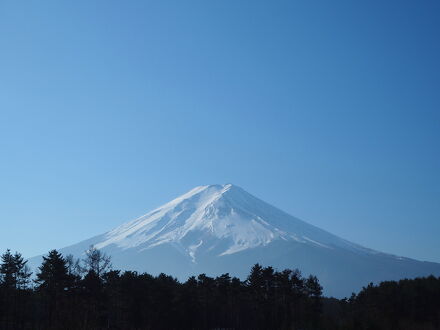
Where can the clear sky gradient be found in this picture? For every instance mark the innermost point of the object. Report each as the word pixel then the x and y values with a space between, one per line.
pixel 329 110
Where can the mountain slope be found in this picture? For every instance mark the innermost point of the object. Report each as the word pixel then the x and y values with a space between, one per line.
pixel 222 228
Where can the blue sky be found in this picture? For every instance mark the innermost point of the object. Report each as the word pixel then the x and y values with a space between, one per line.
pixel 329 110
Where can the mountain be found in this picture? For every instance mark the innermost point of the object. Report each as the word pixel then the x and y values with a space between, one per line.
pixel 221 228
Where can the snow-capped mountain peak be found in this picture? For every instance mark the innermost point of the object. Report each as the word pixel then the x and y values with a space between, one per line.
pixel 221 228
pixel 221 218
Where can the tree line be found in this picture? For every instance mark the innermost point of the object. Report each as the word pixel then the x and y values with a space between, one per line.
pixel 68 293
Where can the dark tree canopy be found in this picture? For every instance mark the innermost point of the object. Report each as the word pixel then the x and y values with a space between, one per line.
pixel 88 294
pixel 14 273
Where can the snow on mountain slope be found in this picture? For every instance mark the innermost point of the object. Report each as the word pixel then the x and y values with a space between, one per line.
pixel 206 215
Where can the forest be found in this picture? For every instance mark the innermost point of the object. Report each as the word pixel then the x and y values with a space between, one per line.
pixel 67 293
